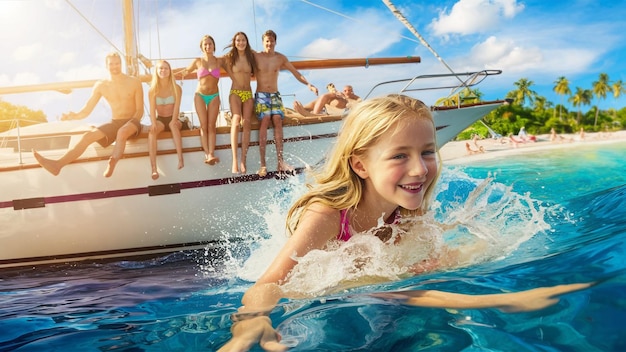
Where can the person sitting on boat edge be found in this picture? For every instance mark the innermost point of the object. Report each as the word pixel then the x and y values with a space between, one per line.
pixel 207 97
pixel 164 96
pixel 382 171
pixel 333 102
pixel 268 102
pixel 125 97
pixel 240 65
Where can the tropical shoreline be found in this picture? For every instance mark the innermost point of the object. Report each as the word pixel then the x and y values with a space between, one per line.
pixel 456 153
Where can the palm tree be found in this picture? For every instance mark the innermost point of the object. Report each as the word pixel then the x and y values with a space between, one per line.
pixel 540 104
pixel 523 92
pixel 600 89
pixel 581 97
pixel 618 89
pixel 562 88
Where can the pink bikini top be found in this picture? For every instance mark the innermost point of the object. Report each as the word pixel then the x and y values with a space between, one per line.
pixel 344 231
pixel 202 71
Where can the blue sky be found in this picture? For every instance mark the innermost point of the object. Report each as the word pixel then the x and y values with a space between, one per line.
pixel 49 41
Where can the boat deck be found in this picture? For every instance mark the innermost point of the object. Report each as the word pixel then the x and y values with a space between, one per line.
pixel 58 140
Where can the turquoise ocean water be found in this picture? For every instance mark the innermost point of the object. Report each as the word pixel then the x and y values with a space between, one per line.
pixel 550 217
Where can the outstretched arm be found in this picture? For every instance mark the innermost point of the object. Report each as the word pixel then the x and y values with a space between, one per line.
pixel 193 66
pixel 94 98
pixel 317 226
pixel 509 302
pixel 291 68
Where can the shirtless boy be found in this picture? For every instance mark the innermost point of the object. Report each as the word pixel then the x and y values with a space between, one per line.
pixel 268 102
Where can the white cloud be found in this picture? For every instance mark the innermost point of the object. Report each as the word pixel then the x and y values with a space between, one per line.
pixel 513 57
pixel 26 78
pixel 474 16
pixel 66 59
pixel 506 55
pixel 27 52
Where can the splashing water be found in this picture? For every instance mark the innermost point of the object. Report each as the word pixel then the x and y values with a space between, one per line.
pixel 483 221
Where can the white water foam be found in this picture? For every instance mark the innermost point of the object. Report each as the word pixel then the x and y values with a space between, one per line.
pixel 487 224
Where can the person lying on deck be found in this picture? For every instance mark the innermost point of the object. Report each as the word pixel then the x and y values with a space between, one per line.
pixel 333 102
pixel 125 97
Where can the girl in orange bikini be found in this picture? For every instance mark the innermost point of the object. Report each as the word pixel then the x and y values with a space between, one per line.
pixel 207 98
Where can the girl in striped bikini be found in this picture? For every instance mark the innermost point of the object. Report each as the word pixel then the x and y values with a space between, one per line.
pixel 164 96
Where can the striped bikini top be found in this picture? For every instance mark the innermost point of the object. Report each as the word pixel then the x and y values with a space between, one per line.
pixel 165 101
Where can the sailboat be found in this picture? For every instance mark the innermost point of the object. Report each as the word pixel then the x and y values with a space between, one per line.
pixel 80 215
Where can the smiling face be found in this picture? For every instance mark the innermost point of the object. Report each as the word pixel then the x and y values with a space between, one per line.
pixel 163 70
pixel 114 65
pixel 241 42
pixel 207 45
pixel 269 43
pixel 400 167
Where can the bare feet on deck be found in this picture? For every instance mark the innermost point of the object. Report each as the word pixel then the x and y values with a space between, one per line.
pixel 181 164
pixel 211 160
pixel 110 168
pixel 284 167
pixel 155 174
pixel 239 167
pixel 234 168
pixel 49 165
pixel 262 171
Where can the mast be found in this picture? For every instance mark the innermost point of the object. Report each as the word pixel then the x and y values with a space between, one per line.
pixel 130 49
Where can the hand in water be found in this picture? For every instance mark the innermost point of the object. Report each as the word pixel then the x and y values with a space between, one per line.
pixel 248 332
pixel 538 298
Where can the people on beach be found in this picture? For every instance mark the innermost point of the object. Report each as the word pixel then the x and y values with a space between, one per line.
pixel 124 94
pixel 581 134
pixel 240 65
pixel 268 102
pixel 382 170
pixel 164 96
pixel 332 102
pixel 472 151
pixel 207 97
pixel 522 134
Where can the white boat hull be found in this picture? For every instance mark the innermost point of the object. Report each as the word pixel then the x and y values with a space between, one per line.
pixel 81 215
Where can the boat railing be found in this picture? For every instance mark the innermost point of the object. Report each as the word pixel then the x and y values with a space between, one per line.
pixel 465 80
pixel 12 137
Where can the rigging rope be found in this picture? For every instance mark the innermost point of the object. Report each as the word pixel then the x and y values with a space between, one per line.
pixel 408 25
pixel 92 26
pixel 348 17
pixel 256 34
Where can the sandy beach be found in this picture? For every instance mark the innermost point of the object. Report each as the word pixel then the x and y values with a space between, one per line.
pixel 456 152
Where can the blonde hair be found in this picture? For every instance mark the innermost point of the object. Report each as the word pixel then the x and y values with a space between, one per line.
pixel 206 36
pixel 111 55
pixel 157 82
pixel 336 185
